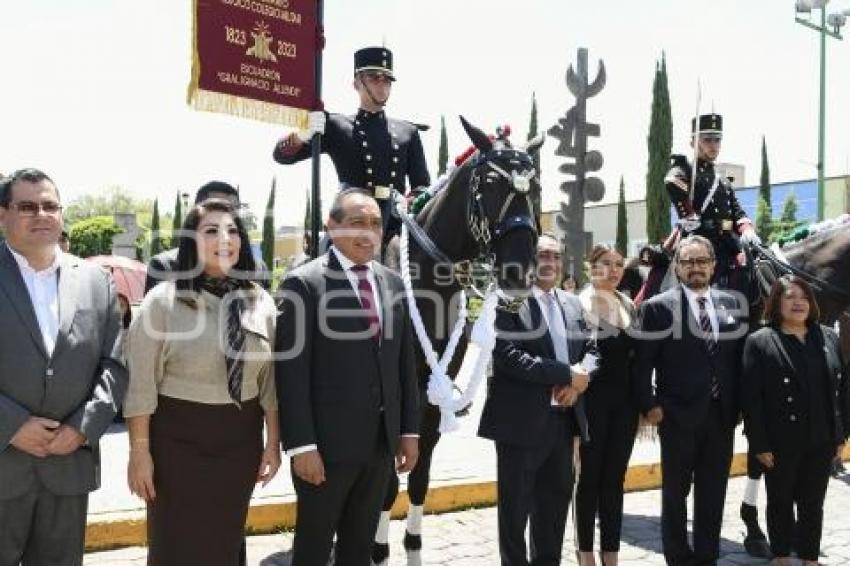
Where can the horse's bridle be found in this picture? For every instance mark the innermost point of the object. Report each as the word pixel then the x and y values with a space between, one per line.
pixel 520 182
pixel 478 223
pixel 485 233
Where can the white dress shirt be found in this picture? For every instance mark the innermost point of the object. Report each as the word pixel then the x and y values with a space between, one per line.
pixel 709 308
pixel 556 327
pixel 43 289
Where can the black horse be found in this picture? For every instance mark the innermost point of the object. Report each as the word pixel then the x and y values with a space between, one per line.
pixel 484 211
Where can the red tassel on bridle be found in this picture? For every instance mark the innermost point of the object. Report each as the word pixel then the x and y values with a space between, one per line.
pixel 502 132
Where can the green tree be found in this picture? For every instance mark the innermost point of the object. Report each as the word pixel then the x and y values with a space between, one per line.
pixel 104 203
pixel 537 187
pixel 267 246
pixel 660 143
pixel 176 221
pixel 764 210
pixel 787 222
pixel 156 239
pixel 622 221
pixel 443 154
pixel 93 236
pixel 789 210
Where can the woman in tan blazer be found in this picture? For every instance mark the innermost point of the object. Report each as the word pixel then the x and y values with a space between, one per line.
pixel 201 387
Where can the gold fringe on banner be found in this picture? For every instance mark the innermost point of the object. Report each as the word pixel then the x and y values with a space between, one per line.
pixel 209 101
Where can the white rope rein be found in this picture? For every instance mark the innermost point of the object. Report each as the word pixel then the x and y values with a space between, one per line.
pixel 480 348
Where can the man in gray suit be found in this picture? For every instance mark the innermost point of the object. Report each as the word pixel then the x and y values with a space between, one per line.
pixel 61 381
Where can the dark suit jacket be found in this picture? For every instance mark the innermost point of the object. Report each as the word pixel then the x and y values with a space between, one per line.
pixel 683 368
pixel 525 370
pixel 82 384
pixel 773 399
pixel 161 266
pixel 333 380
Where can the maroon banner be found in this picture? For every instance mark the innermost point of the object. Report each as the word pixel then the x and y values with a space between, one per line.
pixel 255 58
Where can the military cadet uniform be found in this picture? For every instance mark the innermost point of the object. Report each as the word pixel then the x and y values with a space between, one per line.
pixel 370 150
pixel 715 212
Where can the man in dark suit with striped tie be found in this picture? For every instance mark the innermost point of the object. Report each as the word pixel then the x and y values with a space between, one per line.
pixel 692 337
pixel 347 387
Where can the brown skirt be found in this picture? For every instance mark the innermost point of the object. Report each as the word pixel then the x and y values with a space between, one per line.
pixel 206 459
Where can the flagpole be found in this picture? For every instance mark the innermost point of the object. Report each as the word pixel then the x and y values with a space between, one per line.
pixel 316 144
pixel 696 134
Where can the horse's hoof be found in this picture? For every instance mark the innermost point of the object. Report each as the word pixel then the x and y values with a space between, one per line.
pixel 412 542
pixel 380 553
pixel 757 547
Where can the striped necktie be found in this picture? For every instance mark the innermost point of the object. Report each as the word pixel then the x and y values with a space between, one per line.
pixel 367 300
pixel 710 342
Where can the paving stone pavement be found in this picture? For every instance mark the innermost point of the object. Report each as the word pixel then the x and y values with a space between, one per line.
pixel 469 538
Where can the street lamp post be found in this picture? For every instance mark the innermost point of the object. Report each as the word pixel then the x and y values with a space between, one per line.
pixel 835 21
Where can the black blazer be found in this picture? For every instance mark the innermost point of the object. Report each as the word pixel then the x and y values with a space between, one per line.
pixel 774 414
pixel 333 380
pixel 680 358
pixel 525 370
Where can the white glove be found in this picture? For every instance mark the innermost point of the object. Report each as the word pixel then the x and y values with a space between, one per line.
pixel 315 125
pixel 749 237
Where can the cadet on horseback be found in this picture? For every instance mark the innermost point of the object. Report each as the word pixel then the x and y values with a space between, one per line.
pixel 707 205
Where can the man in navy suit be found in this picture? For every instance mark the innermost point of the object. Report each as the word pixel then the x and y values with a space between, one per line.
pixel 692 337
pixel 533 411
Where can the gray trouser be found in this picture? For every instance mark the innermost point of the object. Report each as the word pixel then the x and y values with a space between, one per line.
pixel 40 528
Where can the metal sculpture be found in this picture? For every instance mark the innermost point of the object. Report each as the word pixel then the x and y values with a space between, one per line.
pixel 572 131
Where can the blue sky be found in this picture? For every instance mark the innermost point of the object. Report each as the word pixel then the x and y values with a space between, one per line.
pixel 94 90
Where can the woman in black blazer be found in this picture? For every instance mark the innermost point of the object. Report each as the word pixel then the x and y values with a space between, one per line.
pixel 797 413
pixel 612 414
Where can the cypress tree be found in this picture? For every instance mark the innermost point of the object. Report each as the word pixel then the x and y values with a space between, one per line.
pixel 536 197
pixel 267 245
pixel 308 215
pixel 764 210
pixel 156 241
pixel 177 222
pixel 622 221
pixel 660 143
pixel 443 155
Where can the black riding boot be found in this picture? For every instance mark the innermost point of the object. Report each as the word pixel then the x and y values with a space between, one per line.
pixel 755 542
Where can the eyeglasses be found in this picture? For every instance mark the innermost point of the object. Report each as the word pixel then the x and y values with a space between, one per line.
pixel 710 139
pixel 30 208
pixel 696 261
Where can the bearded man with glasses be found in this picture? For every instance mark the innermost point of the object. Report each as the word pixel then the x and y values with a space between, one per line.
pixel 691 337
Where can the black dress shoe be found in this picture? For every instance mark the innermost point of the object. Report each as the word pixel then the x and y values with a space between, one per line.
pixel 757 548
pixel 380 553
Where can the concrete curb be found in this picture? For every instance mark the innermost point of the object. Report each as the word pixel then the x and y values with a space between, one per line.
pixel 269 518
